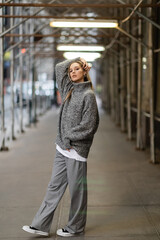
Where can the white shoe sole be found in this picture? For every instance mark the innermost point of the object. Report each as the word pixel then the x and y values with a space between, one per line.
pixel 28 229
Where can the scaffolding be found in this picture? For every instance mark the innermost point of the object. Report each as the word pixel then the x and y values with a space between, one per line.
pixel 137 114
pixel 127 72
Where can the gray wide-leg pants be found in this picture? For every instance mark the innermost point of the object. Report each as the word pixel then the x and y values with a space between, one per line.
pixel 65 172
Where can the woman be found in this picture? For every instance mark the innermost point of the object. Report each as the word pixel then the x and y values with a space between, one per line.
pixel 78 122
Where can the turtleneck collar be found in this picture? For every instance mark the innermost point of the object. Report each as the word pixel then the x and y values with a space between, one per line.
pixel 81 86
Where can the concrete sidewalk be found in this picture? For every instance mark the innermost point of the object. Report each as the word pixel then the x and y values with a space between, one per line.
pixel 124 189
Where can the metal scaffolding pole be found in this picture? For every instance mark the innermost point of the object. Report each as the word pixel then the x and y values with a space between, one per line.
pixel 65 17
pixel 2 147
pixel 122 92
pixel 141 15
pixel 108 98
pixel 33 77
pixel 139 144
pixel 122 87
pixel 115 73
pixel 152 131
pixel 73 5
pixel 116 90
pixel 112 87
pixel 12 84
pixel 3 33
pixel 28 97
pixel 148 19
pixel 132 37
pixel 134 55
pixel 151 79
pixel 21 81
pixel 34 32
pixel 128 70
pixel 22 41
pixel 34 100
pixel 28 56
pixel 58 35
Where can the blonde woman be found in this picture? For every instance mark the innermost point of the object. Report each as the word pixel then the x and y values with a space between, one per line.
pixel 78 122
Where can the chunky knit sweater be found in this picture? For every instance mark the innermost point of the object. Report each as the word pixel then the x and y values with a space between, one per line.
pixel 78 119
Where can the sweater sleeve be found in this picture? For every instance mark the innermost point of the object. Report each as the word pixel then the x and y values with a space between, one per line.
pixel 62 78
pixel 89 123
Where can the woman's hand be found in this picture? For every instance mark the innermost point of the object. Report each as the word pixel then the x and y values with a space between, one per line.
pixel 85 64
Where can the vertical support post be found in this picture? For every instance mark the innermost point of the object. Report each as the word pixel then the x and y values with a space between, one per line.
pixel 2 79
pixel 133 64
pixel 128 97
pixel 33 91
pixel 2 109
pixel 112 87
pixel 134 73
pixel 33 77
pixel 152 133
pixel 30 72
pixel 105 89
pixel 21 81
pixel 122 91
pixel 12 82
pixel 27 95
pixel 122 85
pixel 151 80
pixel 139 144
pixel 115 74
pixel 129 128
pixel 108 98
pixel 27 29
pixel 116 90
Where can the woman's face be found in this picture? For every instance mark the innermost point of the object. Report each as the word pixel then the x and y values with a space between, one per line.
pixel 76 73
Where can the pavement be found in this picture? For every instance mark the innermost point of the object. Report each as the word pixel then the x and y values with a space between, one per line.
pixel 123 187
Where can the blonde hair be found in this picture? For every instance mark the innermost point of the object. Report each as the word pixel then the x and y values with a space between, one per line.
pixel 86 78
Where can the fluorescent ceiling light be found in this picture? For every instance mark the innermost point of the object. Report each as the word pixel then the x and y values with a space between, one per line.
pixel 89 57
pixel 83 23
pixel 80 48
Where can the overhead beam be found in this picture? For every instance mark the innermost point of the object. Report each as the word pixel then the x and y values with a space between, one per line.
pixel 46 44
pixel 66 17
pixel 20 42
pixel 59 35
pixel 23 21
pixel 61 5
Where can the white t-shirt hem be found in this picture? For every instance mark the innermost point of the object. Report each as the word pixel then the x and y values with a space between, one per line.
pixel 71 154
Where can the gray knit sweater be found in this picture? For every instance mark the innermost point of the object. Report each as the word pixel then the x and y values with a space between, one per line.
pixel 78 119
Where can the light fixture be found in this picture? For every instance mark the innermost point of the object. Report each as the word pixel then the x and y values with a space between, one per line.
pixel 144 59
pixel 70 23
pixel 88 56
pixel 86 48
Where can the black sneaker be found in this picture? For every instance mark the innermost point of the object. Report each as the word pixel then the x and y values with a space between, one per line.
pixel 33 230
pixel 64 233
